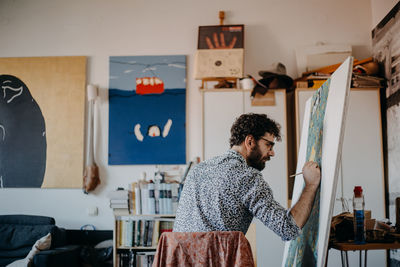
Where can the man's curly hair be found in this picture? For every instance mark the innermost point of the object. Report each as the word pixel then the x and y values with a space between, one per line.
pixel 253 124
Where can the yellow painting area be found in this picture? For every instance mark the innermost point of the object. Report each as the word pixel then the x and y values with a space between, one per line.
pixel 57 84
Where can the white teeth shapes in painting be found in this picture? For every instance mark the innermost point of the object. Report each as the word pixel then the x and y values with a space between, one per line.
pixel 167 127
pixel 153 130
pixel 138 134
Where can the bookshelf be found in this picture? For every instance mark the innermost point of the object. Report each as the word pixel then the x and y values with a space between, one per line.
pixel 136 237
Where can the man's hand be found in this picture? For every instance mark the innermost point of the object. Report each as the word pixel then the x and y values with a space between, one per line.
pixel 220 44
pixel 312 178
pixel 311 174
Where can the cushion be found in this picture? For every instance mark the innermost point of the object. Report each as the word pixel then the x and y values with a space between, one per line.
pixel 26 219
pixel 41 244
pixel 15 236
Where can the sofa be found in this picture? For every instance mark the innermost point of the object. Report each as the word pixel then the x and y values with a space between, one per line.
pixel 18 233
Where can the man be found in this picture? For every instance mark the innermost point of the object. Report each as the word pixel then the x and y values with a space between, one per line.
pixel 225 193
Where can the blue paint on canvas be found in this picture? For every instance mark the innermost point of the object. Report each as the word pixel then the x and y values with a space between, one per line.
pixel 147 127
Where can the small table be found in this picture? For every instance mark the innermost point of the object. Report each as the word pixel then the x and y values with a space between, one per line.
pixel 344 247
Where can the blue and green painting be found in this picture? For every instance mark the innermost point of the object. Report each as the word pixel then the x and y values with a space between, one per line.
pixel 147 110
pixel 303 250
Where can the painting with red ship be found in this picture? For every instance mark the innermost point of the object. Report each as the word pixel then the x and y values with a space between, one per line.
pixel 147 110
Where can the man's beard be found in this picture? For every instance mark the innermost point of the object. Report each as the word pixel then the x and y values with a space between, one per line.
pixel 255 159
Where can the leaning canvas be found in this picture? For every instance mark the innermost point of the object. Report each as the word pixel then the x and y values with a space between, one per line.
pixel 386 50
pixel 321 141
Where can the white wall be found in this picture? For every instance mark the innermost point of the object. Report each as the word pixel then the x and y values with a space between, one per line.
pixel 379 9
pixel 101 28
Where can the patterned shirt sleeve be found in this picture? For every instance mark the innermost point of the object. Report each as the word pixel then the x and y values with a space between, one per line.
pixel 260 202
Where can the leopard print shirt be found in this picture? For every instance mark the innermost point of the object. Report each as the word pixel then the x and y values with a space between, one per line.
pixel 224 194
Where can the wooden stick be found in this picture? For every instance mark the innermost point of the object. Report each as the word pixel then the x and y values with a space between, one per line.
pixel 332 68
pixel 221 17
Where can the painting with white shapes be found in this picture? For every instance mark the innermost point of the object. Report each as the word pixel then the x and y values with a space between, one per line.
pixel 147 107
pixel 22 136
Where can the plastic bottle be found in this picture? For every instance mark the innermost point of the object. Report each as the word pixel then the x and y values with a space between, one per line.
pixel 359 218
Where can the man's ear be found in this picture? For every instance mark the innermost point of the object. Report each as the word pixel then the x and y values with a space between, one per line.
pixel 249 142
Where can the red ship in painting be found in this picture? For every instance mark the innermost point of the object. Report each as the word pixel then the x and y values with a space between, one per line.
pixel 149 85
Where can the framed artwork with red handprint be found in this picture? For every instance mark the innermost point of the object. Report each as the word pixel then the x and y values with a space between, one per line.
pixel 221 37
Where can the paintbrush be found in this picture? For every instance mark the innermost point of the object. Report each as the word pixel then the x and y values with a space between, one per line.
pixel 293 175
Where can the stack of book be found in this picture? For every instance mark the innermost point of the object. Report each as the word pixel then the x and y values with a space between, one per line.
pixel 316 80
pixel 120 199
pixel 365 81
pixel 154 198
pixel 141 233
pixel 135 258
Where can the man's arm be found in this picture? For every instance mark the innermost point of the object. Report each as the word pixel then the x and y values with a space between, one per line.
pixel 312 178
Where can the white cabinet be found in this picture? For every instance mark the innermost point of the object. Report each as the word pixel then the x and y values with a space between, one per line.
pixel 220 109
pixel 362 158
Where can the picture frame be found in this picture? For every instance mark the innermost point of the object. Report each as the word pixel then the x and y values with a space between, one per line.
pixel 221 36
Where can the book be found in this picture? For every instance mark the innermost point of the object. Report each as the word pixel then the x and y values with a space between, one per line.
pixel 138 232
pixel 123 258
pixel 124 233
pixel 150 234
pixel 156 233
pixel 145 232
pixel 138 201
pixel 119 201
pixel 174 197
pixel 119 233
pixel 151 204
pixel 129 233
pixel 157 196
pixel 119 206
pixel 166 226
pixel 363 80
pixel 118 194
pixel 144 194
pixel 142 227
pixel 168 202
pixel 133 198
pixel 163 198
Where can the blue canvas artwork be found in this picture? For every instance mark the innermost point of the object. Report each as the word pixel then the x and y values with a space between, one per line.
pixel 147 110
pixel 304 249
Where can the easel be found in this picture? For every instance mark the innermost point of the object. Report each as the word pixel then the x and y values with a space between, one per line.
pixel 221 81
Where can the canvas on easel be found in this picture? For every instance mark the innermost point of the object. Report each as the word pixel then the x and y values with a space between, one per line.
pixel 321 141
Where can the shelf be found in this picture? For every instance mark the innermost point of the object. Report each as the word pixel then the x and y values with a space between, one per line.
pixel 137 248
pixel 239 90
pixel 222 90
pixel 351 88
pixel 164 218
pixel 118 214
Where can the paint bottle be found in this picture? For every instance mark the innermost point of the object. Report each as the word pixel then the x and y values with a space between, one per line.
pixel 359 217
